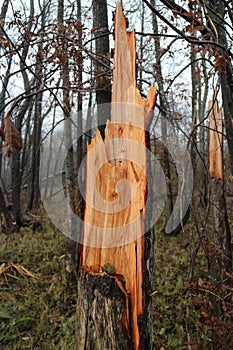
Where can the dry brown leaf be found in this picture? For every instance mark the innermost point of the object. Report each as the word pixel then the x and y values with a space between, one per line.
pixel 11 137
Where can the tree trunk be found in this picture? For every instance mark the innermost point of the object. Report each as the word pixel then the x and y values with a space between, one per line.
pixel 103 89
pixel 34 190
pixel 220 257
pixel 71 249
pixel 203 173
pixel 16 169
pixel 165 116
pixel 218 13
pixel 79 203
pixel 101 309
pixel 116 259
pixel 7 219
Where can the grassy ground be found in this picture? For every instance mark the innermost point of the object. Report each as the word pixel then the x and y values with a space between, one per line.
pixel 175 318
pixel 191 315
pixel 38 308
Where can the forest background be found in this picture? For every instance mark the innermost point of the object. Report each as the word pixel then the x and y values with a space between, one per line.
pixel 56 63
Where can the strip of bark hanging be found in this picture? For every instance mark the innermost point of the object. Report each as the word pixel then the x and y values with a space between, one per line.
pixel 10 136
pixel 113 265
pixel 215 140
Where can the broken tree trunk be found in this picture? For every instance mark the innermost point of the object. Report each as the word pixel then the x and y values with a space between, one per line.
pixel 115 271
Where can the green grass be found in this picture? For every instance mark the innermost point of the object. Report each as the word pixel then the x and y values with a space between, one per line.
pixel 175 320
pixel 36 313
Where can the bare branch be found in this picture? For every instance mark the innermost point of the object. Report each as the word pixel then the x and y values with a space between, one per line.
pixel 191 40
pixel 188 16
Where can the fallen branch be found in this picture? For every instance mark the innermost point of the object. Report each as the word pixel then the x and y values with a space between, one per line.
pixel 15 271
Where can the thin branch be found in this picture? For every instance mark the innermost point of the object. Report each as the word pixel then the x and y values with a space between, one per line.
pixel 191 40
pixel 188 16
pixel 90 54
pixel 97 37
pixel 159 35
pixel 218 16
pixel 183 69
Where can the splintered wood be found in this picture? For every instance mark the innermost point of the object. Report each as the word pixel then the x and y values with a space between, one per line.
pixel 215 141
pixel 116 184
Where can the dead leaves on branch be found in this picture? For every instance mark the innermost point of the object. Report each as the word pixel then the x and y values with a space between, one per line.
pixel 11 137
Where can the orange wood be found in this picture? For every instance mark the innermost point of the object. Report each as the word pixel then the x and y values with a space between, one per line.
pixel 111 163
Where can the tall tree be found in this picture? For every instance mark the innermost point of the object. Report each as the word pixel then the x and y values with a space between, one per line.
pixel 34 190
pixel 71 251
pixel 16 168
pixel 103 85
pixel 3 13
pixel 165 117
pixel 219 13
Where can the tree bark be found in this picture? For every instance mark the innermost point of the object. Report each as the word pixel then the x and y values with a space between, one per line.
pixel 71 249
pixel 6 215
pixel 103 88
pixel 226 76
pixel 101 310
pixel 34 190
pixel 220 257
pixel 16 166
pixel 16 169
pixel 165 116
